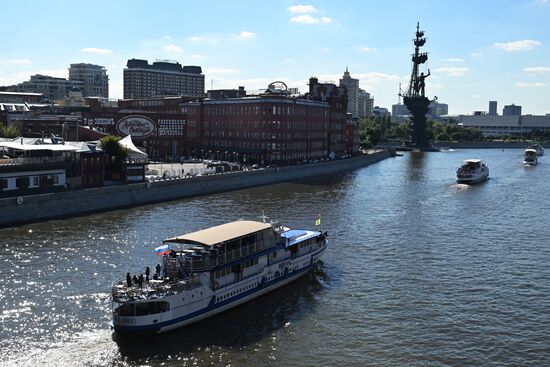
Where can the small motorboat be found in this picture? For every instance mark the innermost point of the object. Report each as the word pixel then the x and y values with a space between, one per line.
pixel 472 171
pixel 537 147
pixel 530 157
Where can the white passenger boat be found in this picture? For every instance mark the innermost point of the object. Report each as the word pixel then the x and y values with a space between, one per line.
pixel 537 147
pixel 214 270
pixel 530 157
pixel 472 171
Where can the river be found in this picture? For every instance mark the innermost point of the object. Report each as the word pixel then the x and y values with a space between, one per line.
pixel 420 271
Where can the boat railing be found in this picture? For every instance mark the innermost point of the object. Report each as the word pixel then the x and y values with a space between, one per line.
pixel 151 289
pixel 239 278
pixel 239 253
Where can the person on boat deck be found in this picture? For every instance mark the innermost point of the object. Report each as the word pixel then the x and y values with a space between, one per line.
pixel 147 272
pixel 157 270
pixel 140 280
pixel 135 279
pixel 128 280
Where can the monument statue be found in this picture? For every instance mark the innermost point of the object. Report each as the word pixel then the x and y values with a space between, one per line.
pixel 415 97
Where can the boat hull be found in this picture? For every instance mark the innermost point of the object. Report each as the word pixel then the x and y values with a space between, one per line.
pixel 473 180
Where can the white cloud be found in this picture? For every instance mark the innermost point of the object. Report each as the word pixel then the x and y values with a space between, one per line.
pixel 477 95
pixel 308 19
pixel 365 49
pixel 172 48
pixel 529 85
pixel 476 54
pixel 523 45
pixel 304 19
pixel 220 71
pixel 204 38
pixel 452 71
pixel 300 9
pixel 20 61
pixel 537 70
pixel 244 35
pixel 196 57
pixel 97 51
pixel 453 59
pixel 324 49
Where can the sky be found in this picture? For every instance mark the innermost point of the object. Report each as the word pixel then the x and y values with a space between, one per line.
pixel 478 50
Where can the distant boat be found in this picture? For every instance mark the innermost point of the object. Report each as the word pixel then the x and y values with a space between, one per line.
pixel 472 171
pixel 530 157
pixel 537 147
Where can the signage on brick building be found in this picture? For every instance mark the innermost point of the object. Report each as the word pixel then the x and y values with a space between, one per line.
pixel 135 125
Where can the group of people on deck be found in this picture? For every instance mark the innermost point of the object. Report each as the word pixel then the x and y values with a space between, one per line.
pixel 139 280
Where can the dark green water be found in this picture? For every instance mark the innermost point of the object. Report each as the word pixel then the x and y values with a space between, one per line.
pixel 420 271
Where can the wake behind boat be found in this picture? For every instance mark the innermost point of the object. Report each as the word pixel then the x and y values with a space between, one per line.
pixel 214 270
pixel 472 171
pixel 530 157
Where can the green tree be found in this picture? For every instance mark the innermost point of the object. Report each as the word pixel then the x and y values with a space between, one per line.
pixel 116 153
pixel 9 131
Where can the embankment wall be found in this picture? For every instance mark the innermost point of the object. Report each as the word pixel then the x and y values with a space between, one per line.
pixel 33 208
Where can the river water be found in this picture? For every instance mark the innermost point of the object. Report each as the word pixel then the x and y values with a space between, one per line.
pixel 420 271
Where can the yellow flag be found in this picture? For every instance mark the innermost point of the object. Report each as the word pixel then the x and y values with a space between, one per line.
pixel 318 221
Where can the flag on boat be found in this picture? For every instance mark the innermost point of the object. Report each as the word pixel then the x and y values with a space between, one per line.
pixel 318 221
pixel 162 250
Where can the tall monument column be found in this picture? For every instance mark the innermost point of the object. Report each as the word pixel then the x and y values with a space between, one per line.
pixel 415 98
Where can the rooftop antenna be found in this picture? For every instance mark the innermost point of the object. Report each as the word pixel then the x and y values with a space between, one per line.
pixel 211 84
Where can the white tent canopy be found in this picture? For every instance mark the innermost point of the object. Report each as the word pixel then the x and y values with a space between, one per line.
pixel 133 151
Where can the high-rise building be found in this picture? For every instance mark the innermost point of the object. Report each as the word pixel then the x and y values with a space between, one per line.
pixel 365 104
pixel 353 92
pixel 492 108
pixel 94 78
pixel 51 87
pixel 511 110
pixel 360 103
pixel 162 78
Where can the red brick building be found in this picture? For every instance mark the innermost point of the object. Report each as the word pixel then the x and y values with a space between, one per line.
pixel 270 128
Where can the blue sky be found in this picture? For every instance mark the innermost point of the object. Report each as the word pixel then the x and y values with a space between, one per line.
pixel 478 50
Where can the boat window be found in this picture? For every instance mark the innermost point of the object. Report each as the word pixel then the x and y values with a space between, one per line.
pixel 149 308
pixel 126 309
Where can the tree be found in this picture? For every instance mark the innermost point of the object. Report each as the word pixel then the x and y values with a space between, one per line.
pixel 9 131
pixel 116 153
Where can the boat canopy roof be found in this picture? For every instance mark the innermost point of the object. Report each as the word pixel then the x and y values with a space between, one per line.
pixel 529 150
pixel 473 161
pixel 222 233
pixel 295 236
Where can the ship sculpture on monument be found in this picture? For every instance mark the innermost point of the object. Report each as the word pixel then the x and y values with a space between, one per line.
pixel 414 98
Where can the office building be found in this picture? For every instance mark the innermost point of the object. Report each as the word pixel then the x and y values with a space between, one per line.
pixel 511 110
pixel 399 110
pixel 51 87
pixel 492 108
pixel 436 109
pixel 506 125
pixel 162 78
pixel 94 79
